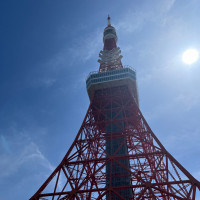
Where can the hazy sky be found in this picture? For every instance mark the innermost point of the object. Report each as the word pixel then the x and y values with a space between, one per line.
pixel 47 50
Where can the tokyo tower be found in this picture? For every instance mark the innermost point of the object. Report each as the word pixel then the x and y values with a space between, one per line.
pixel 115 155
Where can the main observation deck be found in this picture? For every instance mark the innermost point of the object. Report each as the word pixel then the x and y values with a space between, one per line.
pixel 113 78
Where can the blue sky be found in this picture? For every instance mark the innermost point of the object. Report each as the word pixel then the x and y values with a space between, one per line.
pixel 47 50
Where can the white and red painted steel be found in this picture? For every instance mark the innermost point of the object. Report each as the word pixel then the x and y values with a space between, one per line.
pixel 115 154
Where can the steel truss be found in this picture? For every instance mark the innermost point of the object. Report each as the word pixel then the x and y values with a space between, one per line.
pixel 154 172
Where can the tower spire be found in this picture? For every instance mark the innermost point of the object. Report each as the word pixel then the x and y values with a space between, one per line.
pixel 109 20
pixel 110 56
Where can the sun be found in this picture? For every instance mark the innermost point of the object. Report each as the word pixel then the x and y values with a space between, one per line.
pixel 190 56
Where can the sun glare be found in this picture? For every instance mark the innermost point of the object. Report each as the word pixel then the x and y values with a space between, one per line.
pixel 190 56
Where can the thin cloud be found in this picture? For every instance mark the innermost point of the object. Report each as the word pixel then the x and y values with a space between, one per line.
pixel 135 20
pixel 82 50
pixel 76 54
pixel 46 82
pixel 5 144
pixel 25 153
pixel 188 102
pixel 24 164
pixel 85 48
pixel 180 103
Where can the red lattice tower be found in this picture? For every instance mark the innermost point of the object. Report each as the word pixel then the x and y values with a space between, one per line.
pixel 115 154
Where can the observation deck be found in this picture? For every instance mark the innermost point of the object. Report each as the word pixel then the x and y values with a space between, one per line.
pixel 113 78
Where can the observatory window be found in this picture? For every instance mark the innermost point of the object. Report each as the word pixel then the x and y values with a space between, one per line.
pixel 112 31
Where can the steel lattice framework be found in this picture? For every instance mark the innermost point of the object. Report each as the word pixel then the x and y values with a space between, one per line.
pixel 115 155
pixel 154 172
